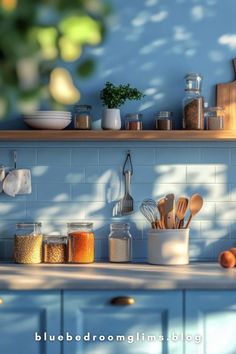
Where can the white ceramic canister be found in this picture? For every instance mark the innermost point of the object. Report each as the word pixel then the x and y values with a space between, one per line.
pixel 168 247
pixel 111 119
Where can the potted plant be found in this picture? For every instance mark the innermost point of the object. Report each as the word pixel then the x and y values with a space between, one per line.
pixel 113 97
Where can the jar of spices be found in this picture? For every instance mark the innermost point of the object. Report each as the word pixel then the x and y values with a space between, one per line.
pixel 120 243
pixel 80 242
pixel 133 121
pixel 215 118
pixel 55 249
pixel 193 103
pixel 82 117
pixel 164 120
pixel 28 243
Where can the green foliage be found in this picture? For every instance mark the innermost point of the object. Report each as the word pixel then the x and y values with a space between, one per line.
pixel 115 96
pixel 49 33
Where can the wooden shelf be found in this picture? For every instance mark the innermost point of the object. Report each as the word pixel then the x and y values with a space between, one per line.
pixel 121 135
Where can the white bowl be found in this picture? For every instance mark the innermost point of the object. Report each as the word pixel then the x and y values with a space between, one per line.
pixel 47 117
pixel 50 123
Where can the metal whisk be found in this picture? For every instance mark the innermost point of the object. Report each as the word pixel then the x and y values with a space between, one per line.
pixel 149 210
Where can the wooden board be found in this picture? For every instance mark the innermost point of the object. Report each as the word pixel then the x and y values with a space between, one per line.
pixel 226 97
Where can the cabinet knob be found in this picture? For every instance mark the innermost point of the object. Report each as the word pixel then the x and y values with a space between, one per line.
pixel 1 301
pixel 123 301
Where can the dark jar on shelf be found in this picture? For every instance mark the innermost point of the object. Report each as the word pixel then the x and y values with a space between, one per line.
pixel 193 103
pixel 164 120
pixel 82 117
pixel 133 121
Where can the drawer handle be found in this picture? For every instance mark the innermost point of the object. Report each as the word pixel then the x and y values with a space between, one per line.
pixel 123 301
pixel 1 301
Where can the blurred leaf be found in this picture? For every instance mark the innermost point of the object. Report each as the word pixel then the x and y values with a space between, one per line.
pixel 86 68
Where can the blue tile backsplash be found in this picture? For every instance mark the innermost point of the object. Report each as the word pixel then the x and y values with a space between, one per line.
pixel 82 181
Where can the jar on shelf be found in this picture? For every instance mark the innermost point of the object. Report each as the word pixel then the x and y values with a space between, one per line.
pixel 120 243
pixel 193 103
pixel 28 243
pixel 215 118
pixel 55 249
pixel 133 121
pixel 80 242
pixel 164 120
pixel 82 117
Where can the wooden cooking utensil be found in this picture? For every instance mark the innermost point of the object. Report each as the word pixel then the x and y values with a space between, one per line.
pixel 170 211
pixel 226 97
pixel 181 209
pixel 195 205
pixel 161 209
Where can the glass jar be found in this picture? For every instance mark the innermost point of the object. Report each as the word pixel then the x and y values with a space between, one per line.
pixel 215 118
pixel 80 242
pixel 164 120
pixel 82 117
pixel 55 249
pixel 133 121
pixel 193 103
pixel 120 243
pixel 28 243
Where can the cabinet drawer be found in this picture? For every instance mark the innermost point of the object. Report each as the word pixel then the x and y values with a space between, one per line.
pixel 124 320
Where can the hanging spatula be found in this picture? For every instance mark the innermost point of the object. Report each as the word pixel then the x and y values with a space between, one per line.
pixel 127 203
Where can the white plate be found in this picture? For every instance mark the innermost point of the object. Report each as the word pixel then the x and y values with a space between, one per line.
pixel 48 112
pixel 50 123
pixel 47 117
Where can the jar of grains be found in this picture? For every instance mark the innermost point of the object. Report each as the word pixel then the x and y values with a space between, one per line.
pixel 55 249
pixel 80 242
pixel 28 243
pixel 82 118
pixel 193 103
pixel 120 243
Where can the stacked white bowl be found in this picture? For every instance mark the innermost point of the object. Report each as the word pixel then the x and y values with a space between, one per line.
pixel 52 120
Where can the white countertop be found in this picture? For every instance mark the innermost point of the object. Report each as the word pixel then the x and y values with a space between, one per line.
pixel 98 276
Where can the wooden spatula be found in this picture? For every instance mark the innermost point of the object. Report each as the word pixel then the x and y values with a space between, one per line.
pixel 226 97
pixel 181 209
pixel 161 209
pixel 170 211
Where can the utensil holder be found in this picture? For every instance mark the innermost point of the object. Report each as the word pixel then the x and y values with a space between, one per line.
pixel 168 247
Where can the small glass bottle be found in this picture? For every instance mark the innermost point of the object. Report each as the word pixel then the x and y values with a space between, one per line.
pixel 120 243
pixel 28 243
pixel 80 242
pixel 164 120
pixel 82 117
pixel 55 249
pixel 193 103
pixel 133 121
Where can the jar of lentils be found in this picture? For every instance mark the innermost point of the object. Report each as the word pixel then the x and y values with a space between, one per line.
pixel 28 243
pixel 80 242
pixel 55 249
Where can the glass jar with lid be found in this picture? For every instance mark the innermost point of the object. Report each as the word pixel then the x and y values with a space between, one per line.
pixel 28 243
pixel 164 120
pixel 82 117
pixel 193 103
pixel 80 242
pixel 120 243
pixel 133 121
pixel 55 249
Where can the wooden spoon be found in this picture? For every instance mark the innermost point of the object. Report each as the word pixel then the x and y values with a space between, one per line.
pixel 161 209
pixel 181 209
pixel 195 205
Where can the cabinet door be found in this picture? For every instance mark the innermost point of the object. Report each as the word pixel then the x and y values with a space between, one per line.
pixel 211 315
pixel 120 322
pixel 22 314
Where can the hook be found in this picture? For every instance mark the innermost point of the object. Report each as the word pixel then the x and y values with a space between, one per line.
pixel 15 158
pixel 128 161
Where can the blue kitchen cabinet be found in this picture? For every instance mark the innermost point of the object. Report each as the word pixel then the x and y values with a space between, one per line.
pixel 119 322
pixel 22 314
pixel 211 315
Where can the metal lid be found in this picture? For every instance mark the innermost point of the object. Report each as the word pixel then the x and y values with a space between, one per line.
pixel 120 226
pixel 135 116
pixel 80 224
pixel 26 224
pixel 82 107
pixel 164 114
